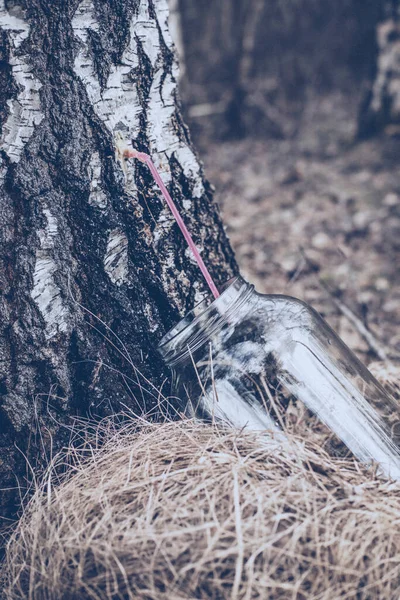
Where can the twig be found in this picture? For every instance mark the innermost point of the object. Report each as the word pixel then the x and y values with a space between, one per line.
pixel 374 345
pixel 369 338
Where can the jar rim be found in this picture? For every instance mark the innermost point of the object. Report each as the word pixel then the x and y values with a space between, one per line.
pixel 231 289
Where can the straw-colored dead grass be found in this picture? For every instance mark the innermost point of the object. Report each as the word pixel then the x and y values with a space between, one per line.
pixel 187 510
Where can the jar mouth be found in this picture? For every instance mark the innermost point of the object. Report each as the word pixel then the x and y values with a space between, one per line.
pixel 176 340
pixel 197 311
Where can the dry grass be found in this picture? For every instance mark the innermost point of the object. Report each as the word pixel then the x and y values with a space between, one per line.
pixel 186 510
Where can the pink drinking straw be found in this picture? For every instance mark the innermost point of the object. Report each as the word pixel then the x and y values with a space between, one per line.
pixel 146 159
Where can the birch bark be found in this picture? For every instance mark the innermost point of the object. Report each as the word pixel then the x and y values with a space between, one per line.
pixel 381 107
pixel 93 269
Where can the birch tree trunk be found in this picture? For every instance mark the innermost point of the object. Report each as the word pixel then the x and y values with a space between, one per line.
pixel 381 106
pixel 93 268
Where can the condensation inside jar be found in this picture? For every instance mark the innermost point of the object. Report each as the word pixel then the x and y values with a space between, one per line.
pixel 236 358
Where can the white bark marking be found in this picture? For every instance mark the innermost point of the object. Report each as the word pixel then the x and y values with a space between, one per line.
pixel 116 258
pixel 118 105
pixel 45 291
pixel 163 224
pixel 97 196
pixel 152 319
pixel 162 107
pixel 175 28
pixel 24 111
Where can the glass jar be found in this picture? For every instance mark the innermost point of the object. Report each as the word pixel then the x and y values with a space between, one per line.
pixel 229 358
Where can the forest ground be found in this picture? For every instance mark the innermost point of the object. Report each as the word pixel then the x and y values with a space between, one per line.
pixel 318 211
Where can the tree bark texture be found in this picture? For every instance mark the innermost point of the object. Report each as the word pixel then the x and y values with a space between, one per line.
pixel 93 268
pixel 381 106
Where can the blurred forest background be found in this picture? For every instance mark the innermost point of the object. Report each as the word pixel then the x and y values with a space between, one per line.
pixel 294 106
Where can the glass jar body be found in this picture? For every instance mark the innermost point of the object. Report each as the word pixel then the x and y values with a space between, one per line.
pixel 232 359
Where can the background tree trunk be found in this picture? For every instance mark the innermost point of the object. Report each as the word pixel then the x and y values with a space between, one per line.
pixel 381 106
pixel 93 268
pixel 253 63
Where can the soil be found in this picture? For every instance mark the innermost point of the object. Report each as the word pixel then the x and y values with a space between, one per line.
pixel 315 212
